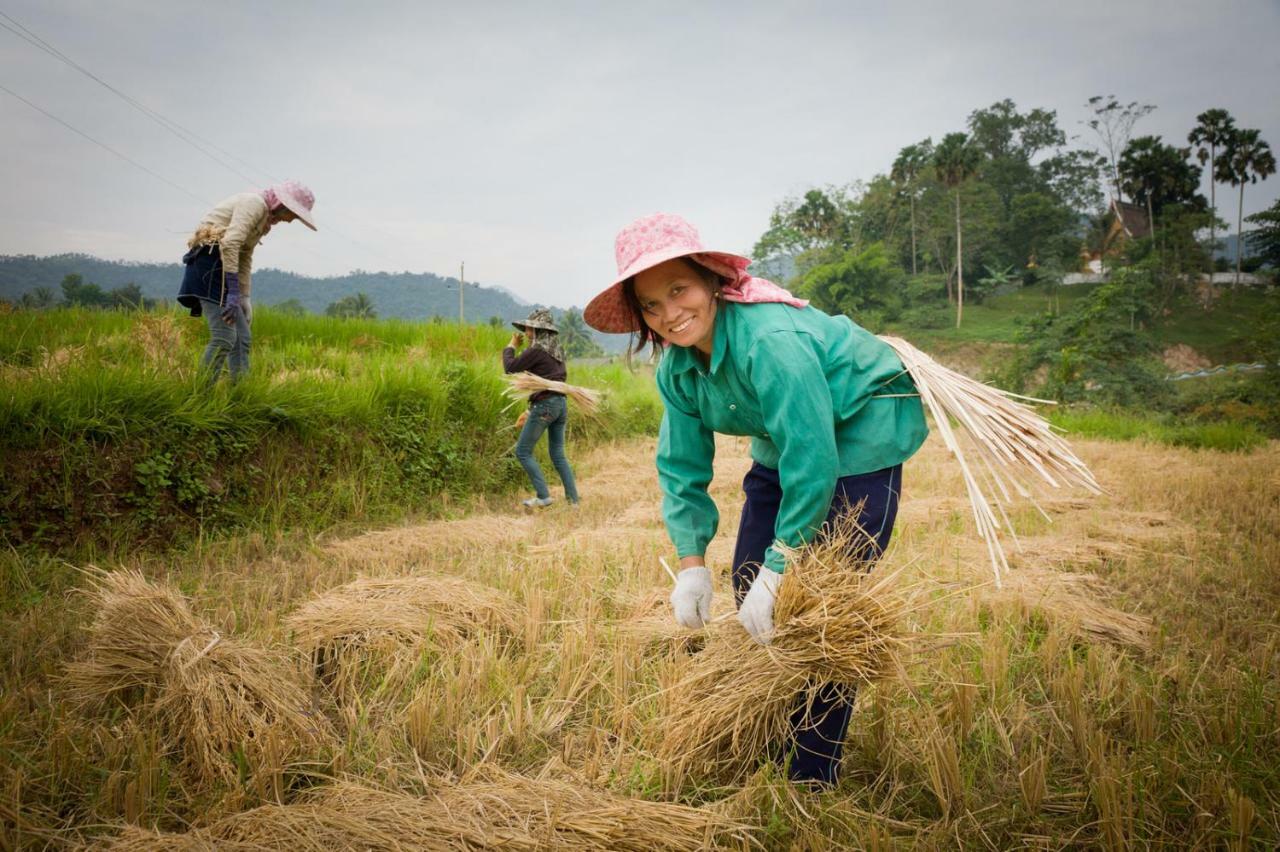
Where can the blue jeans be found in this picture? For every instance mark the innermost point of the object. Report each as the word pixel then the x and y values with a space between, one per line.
pixel 818 727
pixel 228 344
pixel 549 415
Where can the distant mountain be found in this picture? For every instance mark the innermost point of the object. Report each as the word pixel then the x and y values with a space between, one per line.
pixel 408 295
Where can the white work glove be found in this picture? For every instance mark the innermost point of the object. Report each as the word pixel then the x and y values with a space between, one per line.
pixel 691 598
pixel 247 308
pixel 756 612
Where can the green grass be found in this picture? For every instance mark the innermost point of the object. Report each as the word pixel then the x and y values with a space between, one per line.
pixel 998 319
pixel 1129 426
pixel 1221 334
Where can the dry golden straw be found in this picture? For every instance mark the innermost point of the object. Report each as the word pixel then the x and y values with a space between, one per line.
pixel 730 705
pixel 374 631
pixel 1006 440
pixel 499 811
pixel 216 700
pixel 524 385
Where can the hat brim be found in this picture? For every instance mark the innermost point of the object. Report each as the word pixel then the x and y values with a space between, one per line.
pixel 608 311
pixel 296 208
pixel 524 326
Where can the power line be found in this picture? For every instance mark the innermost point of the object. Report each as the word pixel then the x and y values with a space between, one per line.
pixel 106 147
pixel 189 137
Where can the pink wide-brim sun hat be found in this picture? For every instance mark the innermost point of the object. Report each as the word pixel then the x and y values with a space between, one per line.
pixel 299 199
pixel 642 245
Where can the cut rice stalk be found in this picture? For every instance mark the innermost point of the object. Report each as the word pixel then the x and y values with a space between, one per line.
pixel 497 811
pixel 1006 439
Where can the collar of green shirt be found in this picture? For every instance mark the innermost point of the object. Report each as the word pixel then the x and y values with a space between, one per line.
pixel 685 358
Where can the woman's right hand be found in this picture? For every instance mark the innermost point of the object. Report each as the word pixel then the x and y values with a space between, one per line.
pixel 691 598
pixel 520 421
pixel 515 341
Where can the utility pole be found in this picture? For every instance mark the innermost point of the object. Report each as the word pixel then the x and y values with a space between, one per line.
pixel 462 285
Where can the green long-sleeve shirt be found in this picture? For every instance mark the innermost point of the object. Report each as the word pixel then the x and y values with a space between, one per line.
pixel 801 384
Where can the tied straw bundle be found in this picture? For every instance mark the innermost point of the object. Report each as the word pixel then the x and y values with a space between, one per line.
pixel 373 631
pixel 1006 441
pixel 218 701
pixel 521 386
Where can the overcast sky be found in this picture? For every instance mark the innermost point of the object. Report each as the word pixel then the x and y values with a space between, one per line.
pixel 520 136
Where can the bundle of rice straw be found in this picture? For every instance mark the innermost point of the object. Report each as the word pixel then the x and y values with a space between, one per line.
pixel 217 700
pixel 1006 439
pixel 374 631
pixel 730 704
pixel 500 811
pixel 524 385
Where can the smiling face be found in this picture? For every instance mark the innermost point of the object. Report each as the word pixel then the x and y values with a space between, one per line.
pixel 677 303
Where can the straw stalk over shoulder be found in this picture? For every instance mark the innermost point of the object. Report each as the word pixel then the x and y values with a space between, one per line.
pixel 1006 441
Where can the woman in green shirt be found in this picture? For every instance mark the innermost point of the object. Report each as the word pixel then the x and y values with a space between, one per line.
pixel 831 412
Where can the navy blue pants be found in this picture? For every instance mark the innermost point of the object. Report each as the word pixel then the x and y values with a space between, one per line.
pixel 818 726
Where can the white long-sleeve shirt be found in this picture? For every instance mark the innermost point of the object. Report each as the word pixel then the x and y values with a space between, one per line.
pixel 236 224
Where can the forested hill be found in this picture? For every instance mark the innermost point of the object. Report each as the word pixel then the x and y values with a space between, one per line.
pixel 406 294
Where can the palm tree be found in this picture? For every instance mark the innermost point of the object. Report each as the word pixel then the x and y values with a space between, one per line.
pixel 954 162
pixel 576 338
pixel 1247 159
pixel 1215 128
pixel 909 165
pixel 362 306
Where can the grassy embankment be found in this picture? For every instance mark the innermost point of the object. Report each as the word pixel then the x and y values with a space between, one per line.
pixel 110 440
pixel 1203 412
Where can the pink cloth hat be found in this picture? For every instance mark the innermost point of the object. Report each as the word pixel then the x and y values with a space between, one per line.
pixel 651 240
pixel 295 196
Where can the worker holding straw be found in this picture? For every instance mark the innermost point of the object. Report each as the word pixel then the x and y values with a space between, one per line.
pixel 830 409
pixel 219 261
pixel 548 410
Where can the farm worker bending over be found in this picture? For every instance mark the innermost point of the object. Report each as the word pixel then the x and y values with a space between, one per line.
pixel 219 262
pixel 831 412
pixel 548 410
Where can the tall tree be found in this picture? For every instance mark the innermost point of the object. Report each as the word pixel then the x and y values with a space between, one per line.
pixel 1213 130
pixel 1248 159
pixel 954 162
pixel 1113 122
pixel 358 306
pixel 1158 174
pixel 576 338
pixel 907 169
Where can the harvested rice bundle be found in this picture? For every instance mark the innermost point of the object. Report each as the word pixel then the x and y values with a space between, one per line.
pixel 730 705
pixel 524 385
pixel 221 703
pixel 373 631
pixel 501 811
pixel 1006 439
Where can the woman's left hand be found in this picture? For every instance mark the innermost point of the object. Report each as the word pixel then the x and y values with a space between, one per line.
pixel 520 421
pixel 756 612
